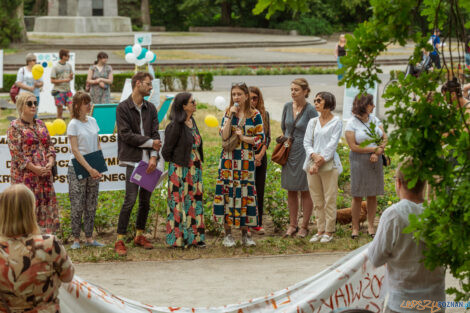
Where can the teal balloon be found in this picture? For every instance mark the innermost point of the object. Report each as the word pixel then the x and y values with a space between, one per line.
pixel 154 58
pixel 142 54
pixel 128 49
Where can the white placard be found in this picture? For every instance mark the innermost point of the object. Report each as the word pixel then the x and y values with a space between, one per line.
pixel 143 39
pixel 1 68
pixel 113 179
pixel 154 96
pixel 351 93
pixel 46 100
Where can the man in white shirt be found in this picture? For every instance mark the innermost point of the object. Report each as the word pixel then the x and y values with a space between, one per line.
pixel 406 278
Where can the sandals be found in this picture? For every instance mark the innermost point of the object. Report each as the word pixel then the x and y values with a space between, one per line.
pixel 303 232
pixel 291 231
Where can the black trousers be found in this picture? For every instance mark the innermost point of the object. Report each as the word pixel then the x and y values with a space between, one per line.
pixel 436 60
pixel 131 195
pixel 260 180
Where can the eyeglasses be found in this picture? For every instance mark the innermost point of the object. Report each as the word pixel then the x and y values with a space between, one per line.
pixel 317 100
pixel 255 98
pixel 193 102
pixel 239 84
pixel 31 103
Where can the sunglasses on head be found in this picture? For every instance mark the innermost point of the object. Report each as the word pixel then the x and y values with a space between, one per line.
pixel 30 103
pixel 239 84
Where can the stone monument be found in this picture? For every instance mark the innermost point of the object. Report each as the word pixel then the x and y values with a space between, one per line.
pixel 82 16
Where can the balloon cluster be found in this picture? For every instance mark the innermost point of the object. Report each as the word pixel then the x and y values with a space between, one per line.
pixel 58 127
pixel 139 56
pixel 37 71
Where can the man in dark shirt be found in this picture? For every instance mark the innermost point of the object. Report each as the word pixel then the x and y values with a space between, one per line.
pixel 138 139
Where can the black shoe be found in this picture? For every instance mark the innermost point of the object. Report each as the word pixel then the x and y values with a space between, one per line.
pixel 355 237
pixel 201 245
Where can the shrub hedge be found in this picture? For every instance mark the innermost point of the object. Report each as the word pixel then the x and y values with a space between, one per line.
pixel 170 80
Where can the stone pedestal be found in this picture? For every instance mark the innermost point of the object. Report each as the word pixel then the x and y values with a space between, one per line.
pixel 82 24
pixel 82 16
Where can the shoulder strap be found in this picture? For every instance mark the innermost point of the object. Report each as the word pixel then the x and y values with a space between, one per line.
pixel 363 124
pixel 297 118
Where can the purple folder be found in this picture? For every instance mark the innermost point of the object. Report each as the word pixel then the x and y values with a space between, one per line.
pixel 147 181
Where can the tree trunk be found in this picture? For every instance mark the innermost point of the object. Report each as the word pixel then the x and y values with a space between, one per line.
pixel 226 16
pixel 145 13
pixel 20 17
pixel 38 8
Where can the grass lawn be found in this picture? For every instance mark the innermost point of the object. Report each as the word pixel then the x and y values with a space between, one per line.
pixel 275 217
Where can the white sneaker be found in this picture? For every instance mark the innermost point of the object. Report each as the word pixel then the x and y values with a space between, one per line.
pixel 316 238
pixel 326 238
pixel 247 241
pixel 229 241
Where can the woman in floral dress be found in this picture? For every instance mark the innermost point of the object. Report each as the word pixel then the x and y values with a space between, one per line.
pixel 183 149
pixel 32 158
pixel 235 191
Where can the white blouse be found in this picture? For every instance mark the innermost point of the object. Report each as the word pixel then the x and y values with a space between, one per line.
pixel 360 130
pixel 323 141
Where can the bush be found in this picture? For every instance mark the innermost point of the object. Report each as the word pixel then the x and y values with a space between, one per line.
pixel 309 26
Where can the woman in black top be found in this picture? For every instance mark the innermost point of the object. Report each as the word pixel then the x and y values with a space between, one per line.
pixel 183 150
pixel 261 160
pixel 340 51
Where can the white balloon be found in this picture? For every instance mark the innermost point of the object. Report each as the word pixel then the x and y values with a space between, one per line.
pixel 220 103
pixel 136 49
pixel 149 56
pixel 130 58
pixel 140 62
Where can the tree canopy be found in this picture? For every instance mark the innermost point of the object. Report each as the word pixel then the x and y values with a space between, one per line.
pixel 431 127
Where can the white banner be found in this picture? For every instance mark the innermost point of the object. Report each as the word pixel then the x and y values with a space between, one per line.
pixel 351 282
pixel 113 179
pixel 47 60
pixel 143 39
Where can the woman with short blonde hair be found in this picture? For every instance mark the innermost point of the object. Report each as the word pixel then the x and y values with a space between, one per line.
pixel 37 263
pixel 32 160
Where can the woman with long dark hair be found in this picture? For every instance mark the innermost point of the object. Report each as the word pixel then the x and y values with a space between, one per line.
pixel 235 192
pixel 183 150
pixel 261 160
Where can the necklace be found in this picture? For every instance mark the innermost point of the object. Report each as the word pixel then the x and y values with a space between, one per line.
pixel 189 123
pixel 297 110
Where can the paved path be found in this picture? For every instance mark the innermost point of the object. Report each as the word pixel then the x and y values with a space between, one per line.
pixel 208 282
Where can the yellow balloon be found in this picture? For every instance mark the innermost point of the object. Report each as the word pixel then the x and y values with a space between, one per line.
pixel 59 126
pixel 37 71
pixel 211 121
pixel 50 128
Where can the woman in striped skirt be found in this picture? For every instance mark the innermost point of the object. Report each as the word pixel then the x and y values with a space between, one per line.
pixel 367 178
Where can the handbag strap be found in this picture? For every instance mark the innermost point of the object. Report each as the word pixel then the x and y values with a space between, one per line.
pixel 363 124
pixel 291 134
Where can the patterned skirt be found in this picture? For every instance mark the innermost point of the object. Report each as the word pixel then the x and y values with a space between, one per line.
pixel 367 178
pixel 185 212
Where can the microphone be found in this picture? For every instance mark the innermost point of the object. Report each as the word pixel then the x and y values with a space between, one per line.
pixel 235 105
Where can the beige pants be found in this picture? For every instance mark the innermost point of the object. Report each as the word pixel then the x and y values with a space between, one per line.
pixel 324 190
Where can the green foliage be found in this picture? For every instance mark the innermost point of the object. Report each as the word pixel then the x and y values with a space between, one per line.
pixel 432 130
pixel 10 28
pixel 280 5
pixel 309 26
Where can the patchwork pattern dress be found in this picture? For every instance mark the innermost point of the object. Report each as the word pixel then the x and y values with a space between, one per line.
pixel 235 191
pixel 185 212
pixel 32 143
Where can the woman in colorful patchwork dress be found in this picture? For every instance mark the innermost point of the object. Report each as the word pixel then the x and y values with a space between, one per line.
pixel 183 149
pixel 33 265
pixel 32 159
pixel 100 79
pixel 235 192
